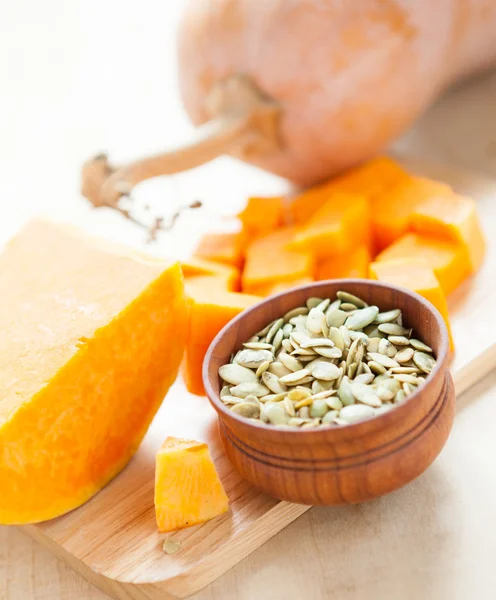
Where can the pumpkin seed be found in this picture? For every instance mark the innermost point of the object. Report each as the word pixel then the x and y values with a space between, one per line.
pixel 373 344
pixel 305 402
pixel 329 352
pixel 324 394
pixel 337 338
pixel 400 397
pixel 346 336
pixel 289 407
pixel 408 388
pixel 312 302
pixel 262 368
pixel 278 323
pixel 295 422
pixel 418 345
pixel 347 297
pixel 386 348
pixel 403 378
pixel 321 386
pixel 406 370
pixel 324 371
pixel 315 320
pixel 404 355
pixel 295 377
pixel 249 389
pixel 277 368
pixel 352 369
pixel 329 417
pixel 387 389
pixel 273 397
pixel 171 546
pixel 399 340
pixel 263 332
pixel 387 316
pixel 248 409
pixel 383 360
pixel 252 359
pixel 344 392
pixel 231 399
pixel 394 329
pixel 236 374
pixel 334 402
pixel 375 367
pixel 295 312
pixel 304 413
pixel 336 317
pixel 298 393
pixel 324 304
pixel 318 409
pixel 312 343
pixel 424 361
pixel 310 424
pixel 365 394
pixel 362 318
pixel 275 414
pixel 225 391
pixel 348 307
pixel 356 412
pixel 287 346
pixel 273 383
pixel 277 341
pixel 365 378
pixel 290 362
pixel 287 329
pixel 383 409
pixel 257 346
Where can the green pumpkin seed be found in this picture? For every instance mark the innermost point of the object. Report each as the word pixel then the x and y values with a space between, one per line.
pixel 362 318
pixel 278 368
pixel 328 418
pixel 318 409
pixel 262 368
pixel 400 397
pixel 404 355
pixel 312 343
pixel 275 414
pixel 278 323
pixel 297 394
pixel 424 361
pixel 336 337
pixel 293 378
pixel 355 413
pixel 324 371
pixel 348 307
pixel 273 397
pixel 375 367
pixel 387 317
pixel 252 359
pixel 386 348
pixel 273 383
pixel 247 410
pixel 312 302
pixel 258 346
pixel 365 378
pixel 334 403
pixel 250 388
pixel 171 546
pixel 236 374
pixel 399 340
pixel 329 352
pixel 394 329
pixel 345 335
pixel 347 297
pixel 382 359
pixel 418 345
pixel 290 362
pixel 315 320
pixel 336 317
pixel 403 378
pixel 295 312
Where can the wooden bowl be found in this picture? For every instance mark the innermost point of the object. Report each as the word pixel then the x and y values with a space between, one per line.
pixel 342 464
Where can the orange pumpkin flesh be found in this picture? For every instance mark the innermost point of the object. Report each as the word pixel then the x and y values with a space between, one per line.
pixel 416 275
pixel 449 260
pixel 188 490
pixel 198 267
pixel 226 248
pixel 85 329
pixel 354 263
pixel 261 216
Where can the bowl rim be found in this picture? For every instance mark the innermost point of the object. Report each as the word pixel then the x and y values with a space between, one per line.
pixel 221 409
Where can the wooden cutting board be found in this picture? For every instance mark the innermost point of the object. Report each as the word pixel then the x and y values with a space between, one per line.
pixel 112 540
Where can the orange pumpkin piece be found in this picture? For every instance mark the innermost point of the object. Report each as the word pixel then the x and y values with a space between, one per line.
pixel 391 209
pixel 210 309
pixel 370 179
pixel 225 248
pixel 269 262
pixel 188 490
pixel 449 260
pixel 282 286
pixel 85 326
pixel 262 215
pixel 340 224
pixel 354 263
pixel 453 217
pixel 195 267
pixel 416 275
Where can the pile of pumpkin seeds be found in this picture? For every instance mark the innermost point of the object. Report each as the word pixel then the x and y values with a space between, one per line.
pixel 326 363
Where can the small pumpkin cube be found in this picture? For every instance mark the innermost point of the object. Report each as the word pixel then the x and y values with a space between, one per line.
pixel 195 269
pixel 262 215
pixel 216 282
pixel 269 262
pixel 282 286
pixel 448 259
pixel 342 223
pixel 391 209
pixel 210 308
pixel 225 248
pixel 416 275
pixel 369 179
pixel 453 217
pixel 354 263
pixel 188 490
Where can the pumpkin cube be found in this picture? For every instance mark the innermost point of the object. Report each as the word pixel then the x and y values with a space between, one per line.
pixel 269 262
pixel 354 263
pixel 195 268
pixel 225 248
pixel 370 179
pixel 188 490
pixel 210 308
pixel 282 286
pixel 416 275
pixel 452 217
pixel 448 259
pixel 262 215
pixel 391 209
pixel 85 326
pixel 339 225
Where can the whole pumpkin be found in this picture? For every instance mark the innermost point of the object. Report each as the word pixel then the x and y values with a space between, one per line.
pixel 349 76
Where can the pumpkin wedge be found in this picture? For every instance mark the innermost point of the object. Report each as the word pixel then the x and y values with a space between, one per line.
pixel 261 215
pixel 225 248
pixel 416 275
pixel 198 267
pixel 448 259
pixel 85 359
pixel 455 218
pixel 354 263
pixel 210 308
pixel 188 490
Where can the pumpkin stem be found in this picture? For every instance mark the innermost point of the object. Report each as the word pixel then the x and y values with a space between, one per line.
pixel 242 121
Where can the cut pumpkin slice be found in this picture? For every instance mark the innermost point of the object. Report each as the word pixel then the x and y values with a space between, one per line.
pixel 455 218
pixel 209 310
pixel 225 248
pixel 188 490
pixel 340 224
pixel 354 263
pixel 85 328
pixel 416 275
pixel 269 262
pixel 198 267
pixel 282 286
pixel 448 259
pixel 391 210
pixel 262 216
